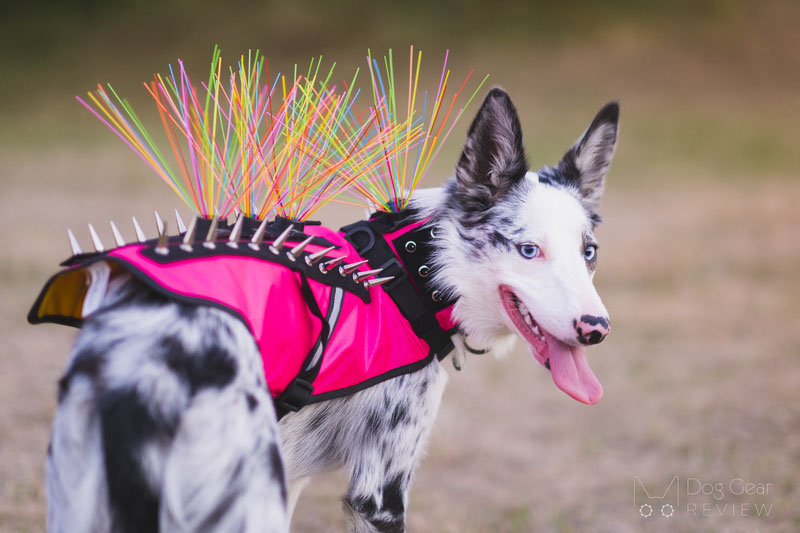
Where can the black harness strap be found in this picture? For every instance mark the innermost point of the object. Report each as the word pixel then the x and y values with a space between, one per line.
pixel 299 390
pixel 367 238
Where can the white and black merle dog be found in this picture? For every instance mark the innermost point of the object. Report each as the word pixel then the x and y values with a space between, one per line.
pixel 164 421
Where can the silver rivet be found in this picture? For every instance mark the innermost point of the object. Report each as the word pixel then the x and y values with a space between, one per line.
pixel 424 271
pixel 411 246
pixel 437 296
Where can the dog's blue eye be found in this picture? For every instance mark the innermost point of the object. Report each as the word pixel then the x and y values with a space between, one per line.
pixel 590 252
pixel 528 250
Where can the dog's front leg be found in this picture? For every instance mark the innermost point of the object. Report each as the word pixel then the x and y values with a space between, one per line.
pixel 396 417
pixel 377 496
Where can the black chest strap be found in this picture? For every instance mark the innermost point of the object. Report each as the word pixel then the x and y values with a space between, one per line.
pixel 411 291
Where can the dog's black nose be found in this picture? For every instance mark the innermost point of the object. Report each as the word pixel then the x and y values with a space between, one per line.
pixel 592 329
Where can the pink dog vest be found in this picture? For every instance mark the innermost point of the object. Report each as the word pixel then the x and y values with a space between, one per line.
pixel 321 334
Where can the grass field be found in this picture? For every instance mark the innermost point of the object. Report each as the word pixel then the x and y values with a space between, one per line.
pixel 698 266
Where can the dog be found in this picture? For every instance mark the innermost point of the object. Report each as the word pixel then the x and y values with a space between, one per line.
pixel 165 421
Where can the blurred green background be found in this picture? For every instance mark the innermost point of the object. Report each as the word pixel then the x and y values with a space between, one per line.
pixel 699 262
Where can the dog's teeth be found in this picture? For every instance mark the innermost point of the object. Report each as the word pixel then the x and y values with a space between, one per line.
pixel 536 330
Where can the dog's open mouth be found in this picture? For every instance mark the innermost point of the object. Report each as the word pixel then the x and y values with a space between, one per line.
pixel 568 365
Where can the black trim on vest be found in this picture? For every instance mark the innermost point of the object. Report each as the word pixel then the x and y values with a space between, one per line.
pixel 410 291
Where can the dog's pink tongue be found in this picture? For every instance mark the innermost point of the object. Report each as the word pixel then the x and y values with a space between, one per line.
pixel 571 372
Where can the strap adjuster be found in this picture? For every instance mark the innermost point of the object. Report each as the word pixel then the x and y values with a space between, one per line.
pixel 295 395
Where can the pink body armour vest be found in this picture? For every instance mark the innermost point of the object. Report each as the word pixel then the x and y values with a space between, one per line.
pixel 321 334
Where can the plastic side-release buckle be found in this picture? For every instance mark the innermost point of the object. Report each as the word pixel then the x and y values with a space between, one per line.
pixel 295 396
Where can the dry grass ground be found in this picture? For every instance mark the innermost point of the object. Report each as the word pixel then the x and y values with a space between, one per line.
pixel 699 267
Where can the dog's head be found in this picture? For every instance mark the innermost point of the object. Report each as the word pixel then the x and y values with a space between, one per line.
pixel 518 248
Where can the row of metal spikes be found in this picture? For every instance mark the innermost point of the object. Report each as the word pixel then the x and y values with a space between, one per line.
pixel 190 240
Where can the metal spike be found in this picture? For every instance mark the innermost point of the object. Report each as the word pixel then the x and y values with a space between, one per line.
pixel 162 246
pixel 236 232
pixel 361 276
pixel 188 237
pixel 350 268
pixel 327 265
pixel 316 257
pixel 295 252
pixel 73 243
pixel 374 282
pixel 258 236
pixel 96 242
pixel 212 234
pixel 140 236
pixel 159 223
pixel 117 235
pixel 181 225
pixel 282 238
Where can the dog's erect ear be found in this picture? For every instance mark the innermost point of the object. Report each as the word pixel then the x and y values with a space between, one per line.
pixel 493 160
pixel 586 164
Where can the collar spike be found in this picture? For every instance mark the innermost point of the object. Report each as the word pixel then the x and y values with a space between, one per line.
pixel 162 246
pixel 211 236
pixel 159 223
pixel 361 276
pixel 73 243
pixel 118 239
pixel 236 232
pixel 96 242
pixel 327 265
pixel 140 236
pixel 375 282
pixel 295 252
pixel 189 235
pixel 181 225
pixel 351 267
pixel 316 257
pixel 258 236
pixel 282 238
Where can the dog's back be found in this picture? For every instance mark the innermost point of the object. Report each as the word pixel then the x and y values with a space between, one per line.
pixel 152 388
